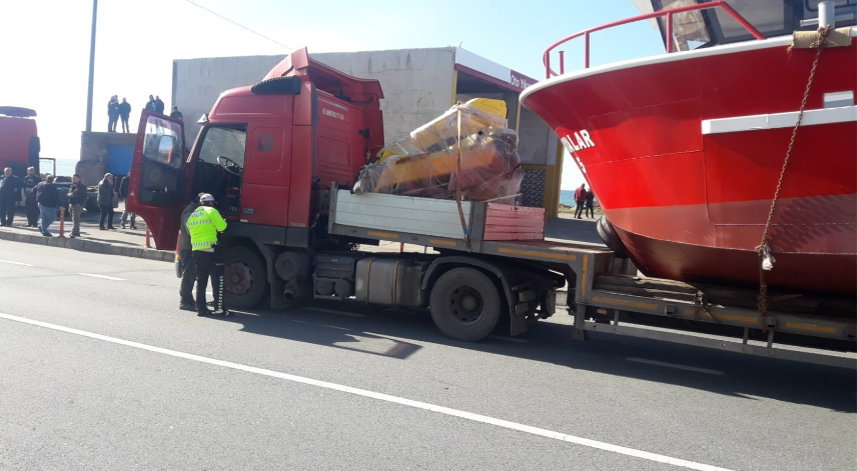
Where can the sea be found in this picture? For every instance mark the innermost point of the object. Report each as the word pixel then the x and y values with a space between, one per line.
pixel 65 167
pixel 566 197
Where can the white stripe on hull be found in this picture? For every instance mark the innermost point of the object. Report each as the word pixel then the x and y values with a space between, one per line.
pixel 757 122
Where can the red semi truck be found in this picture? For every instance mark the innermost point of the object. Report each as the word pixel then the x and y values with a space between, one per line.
pixel 279 157
pixel 19 140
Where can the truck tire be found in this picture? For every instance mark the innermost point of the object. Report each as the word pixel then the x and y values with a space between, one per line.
pixel 244 276
pixel 465 304
pixel 611 239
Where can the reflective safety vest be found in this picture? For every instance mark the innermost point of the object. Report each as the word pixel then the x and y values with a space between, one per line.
pixel 203 225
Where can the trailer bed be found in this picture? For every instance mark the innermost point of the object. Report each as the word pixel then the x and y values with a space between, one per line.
pixel 599 299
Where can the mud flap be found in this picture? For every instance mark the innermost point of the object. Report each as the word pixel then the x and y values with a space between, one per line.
pixel 518 319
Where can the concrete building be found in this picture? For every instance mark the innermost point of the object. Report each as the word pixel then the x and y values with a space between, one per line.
pixel 418 84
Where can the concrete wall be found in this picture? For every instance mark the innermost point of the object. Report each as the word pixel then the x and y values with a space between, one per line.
pixel 198 82
pixel 417 83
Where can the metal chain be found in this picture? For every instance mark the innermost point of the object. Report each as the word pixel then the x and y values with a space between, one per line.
pixel 763 248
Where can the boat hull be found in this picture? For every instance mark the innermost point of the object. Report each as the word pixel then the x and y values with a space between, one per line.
pixel 684 153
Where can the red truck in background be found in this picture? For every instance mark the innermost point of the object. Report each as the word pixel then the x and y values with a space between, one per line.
pixel 19 139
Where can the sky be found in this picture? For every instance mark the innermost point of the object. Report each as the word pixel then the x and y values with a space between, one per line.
pixel 45 52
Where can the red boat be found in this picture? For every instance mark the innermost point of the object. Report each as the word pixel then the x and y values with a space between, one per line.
pixel 685 150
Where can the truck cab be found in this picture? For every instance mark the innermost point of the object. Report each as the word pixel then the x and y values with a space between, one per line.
pixel 268 153
pixel 19 140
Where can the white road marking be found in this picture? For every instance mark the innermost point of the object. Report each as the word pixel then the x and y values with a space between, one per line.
pixel 15 263
pixel 103 277
pixel 334 311
pixel 673 365
pixel 507 339
pixel 381 397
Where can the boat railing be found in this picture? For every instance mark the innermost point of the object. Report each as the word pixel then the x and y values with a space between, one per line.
pixel 669 16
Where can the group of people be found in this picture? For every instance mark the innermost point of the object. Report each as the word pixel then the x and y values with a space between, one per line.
pixel 200 224
pixel 584 202
pixel 117 110
pixel 200 256
pixel 155 104
pixel 42 200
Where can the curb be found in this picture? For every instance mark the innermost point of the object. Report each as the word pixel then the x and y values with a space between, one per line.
pixel 91 246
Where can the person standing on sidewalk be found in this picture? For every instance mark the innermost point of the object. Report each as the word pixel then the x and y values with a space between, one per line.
pixel 49 200
pixel 188 270
pixel 77 199
pixel 11 191
pixel 123 195
pixel 579 200
pixel 105 201
pixel 203 225
pixel 30 181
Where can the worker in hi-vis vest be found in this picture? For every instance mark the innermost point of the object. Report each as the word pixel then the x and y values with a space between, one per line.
pixel 203 225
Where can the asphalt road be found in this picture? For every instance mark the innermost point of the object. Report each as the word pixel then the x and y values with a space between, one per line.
pixel 105 373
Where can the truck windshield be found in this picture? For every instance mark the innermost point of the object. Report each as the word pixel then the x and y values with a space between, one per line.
pixel 228 142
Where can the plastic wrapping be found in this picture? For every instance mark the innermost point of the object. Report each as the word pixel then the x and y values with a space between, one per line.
pixel 486 168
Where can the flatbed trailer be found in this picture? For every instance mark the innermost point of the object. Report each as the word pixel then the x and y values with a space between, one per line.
pixel 599 299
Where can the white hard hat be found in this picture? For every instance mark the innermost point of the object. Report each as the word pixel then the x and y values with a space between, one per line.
pixel 206 197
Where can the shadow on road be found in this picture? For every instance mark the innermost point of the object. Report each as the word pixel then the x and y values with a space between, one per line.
pixel 393 334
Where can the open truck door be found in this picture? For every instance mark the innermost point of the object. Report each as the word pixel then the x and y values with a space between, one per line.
pixel 158 190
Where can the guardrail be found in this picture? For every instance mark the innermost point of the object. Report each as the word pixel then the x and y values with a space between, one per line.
pixel 668 13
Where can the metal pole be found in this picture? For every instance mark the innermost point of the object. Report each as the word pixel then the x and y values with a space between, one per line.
pixel 91 68
pixel 62 222
pixel 826 14
pixel 586 50
pixel 669 33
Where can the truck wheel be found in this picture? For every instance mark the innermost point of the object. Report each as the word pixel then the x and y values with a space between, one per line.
pixel 465 304
pixel 244 278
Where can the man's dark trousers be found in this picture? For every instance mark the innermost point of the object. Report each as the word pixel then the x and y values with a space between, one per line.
pixel 208 264
pixel 32 210
pixel 579 208
pixel 7 211
pixel 188 275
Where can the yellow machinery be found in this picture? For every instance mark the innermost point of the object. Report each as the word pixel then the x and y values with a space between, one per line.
pixel 476 115
pixel 428 163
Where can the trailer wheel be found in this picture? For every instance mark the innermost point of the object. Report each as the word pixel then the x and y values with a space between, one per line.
pixel 465 304
pixel 244 278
